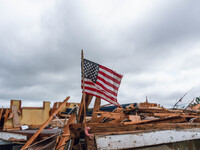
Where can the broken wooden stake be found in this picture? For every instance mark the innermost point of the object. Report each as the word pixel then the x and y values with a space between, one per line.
pixel 30 141
pixel 66 133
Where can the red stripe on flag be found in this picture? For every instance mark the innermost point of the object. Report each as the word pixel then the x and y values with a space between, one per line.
pixel 102 86
pixel 98 91
pixel 111 71
pixel 112 102
pixel 106 89
pixel 107 83
pixel 109 77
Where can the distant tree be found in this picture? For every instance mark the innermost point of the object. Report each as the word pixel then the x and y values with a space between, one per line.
pixel 196 101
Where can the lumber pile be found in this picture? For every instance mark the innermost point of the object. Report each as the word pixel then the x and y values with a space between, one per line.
pixel 16 118
pixel 80 131
pixel 133 118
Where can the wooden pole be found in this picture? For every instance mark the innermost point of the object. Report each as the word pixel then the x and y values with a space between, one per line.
pixel 30 141
pixel 66 133
pixel 95 109
pixel 189 104
pixel 1 113
pixel 182 98
pixel 82 57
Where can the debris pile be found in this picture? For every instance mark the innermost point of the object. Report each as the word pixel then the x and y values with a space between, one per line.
pixel 65 125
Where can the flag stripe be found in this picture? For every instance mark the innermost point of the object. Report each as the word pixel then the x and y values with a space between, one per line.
pixel 111 91
pixel 108 82
pixel 113 88
pixel 94 89
pixel 110 74
pixel 111 71
pixel 88 82
pixel 103 97
pixel 108 77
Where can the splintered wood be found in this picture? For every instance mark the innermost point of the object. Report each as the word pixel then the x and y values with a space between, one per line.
pixel 66 133
pixel 135 118
pixel 30 141
pixel 16 122
pixel 103 121
pixel 1 112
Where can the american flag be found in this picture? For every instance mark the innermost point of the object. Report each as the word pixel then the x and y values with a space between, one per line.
pixel 101 81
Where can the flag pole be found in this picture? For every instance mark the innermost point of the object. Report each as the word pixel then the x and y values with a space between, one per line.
pixel 82 56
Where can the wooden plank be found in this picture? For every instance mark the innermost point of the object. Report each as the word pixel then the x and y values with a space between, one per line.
pixel 44 125
pixel 6 115
pixel 13 129
pixel 152 110
pixel 80 113
pixel 5 118
pixel 88 99
pixel 174 119
pixel 66 132
pixel 111 115
pixel 130 126
pixel 118 110
pixel 54 107
pixel 105 105
pixel 99 119
pixel 1 113
pixel 196 107
pixel 133 118
pixel 16 121
pixel 116 120
pixel 166 114
pixel 95 109
pixel 118 128
pixel 91 143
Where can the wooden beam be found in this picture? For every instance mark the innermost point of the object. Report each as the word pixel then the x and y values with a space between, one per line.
pixel 95 109
pixel 30 141
pixel 166 114
pixel 6 115
pixel 103 128
pixel 16 121
pixel 54 107
pixel 5 118
pixel 80 110
pixel 66 132
pixel 1 113
pixel 111 115
pixel 108 127
pixel 196 107
pixel 88 99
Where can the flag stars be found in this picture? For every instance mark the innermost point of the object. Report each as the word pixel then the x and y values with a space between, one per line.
pixel 90 70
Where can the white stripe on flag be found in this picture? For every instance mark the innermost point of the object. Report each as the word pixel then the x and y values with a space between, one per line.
pixel 108 80
pixel 110 74
pixel 95 86
pixel 107 86
pixel 102 96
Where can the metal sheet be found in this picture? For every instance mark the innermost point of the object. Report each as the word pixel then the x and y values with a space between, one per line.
pixel 135 140
pixel 7 136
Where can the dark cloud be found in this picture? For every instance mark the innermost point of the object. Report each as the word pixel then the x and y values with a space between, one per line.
pixel 41 50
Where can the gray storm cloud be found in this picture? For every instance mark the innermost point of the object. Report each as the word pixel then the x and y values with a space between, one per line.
pixel 154 45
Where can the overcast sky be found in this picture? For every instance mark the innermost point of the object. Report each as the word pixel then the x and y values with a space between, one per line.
pixel 155 45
